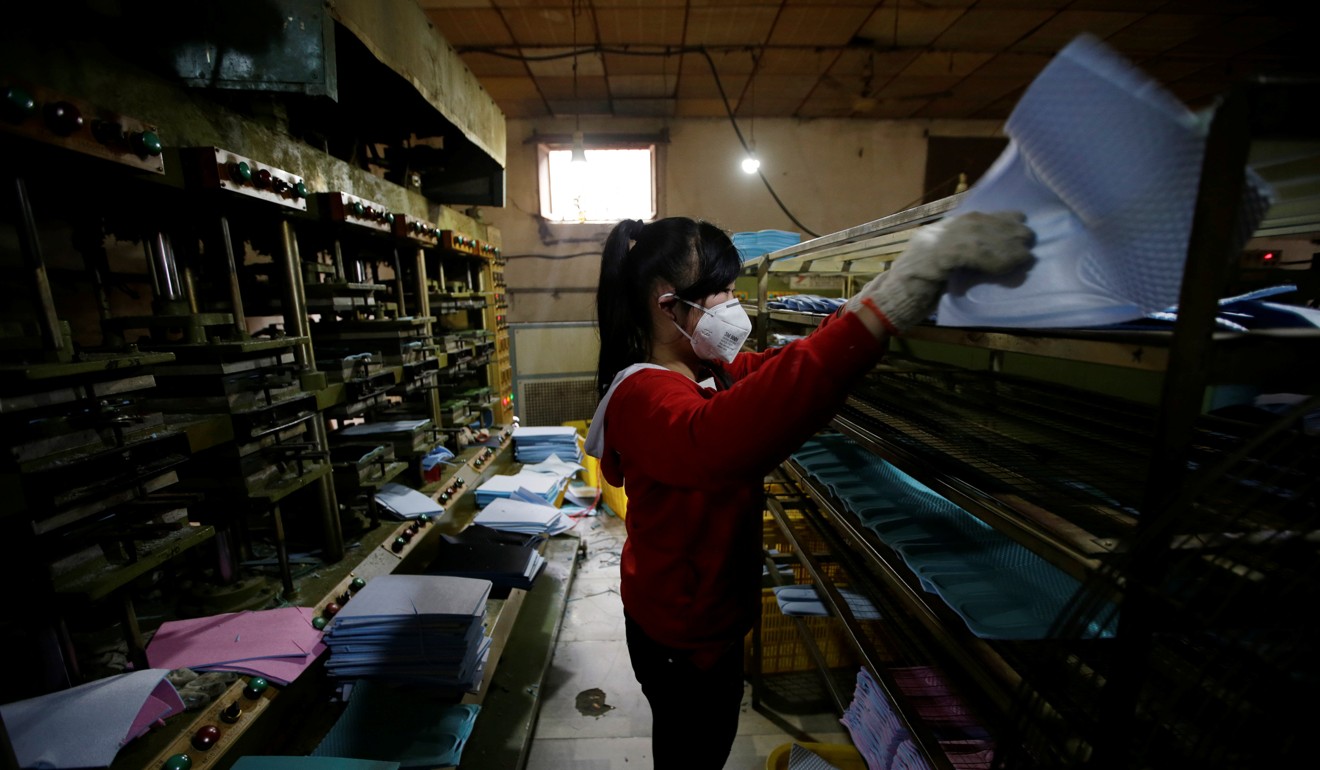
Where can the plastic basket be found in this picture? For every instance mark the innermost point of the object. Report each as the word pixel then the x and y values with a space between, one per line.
pixel 773 537
pixel 782 646
pixel 841 755
pixel 789 678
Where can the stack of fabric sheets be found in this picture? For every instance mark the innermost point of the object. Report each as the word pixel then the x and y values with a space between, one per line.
pixel 533 444
pixel 406 725
pixel 523 515
pixel 751 245
pixel 530 485
pixel 884 740
pixel 426 630
pixel 87 725
pixel 806 303
pixel 488 554
pixel 403 502
pixel 800 600
pixel 277 644
pixel 1001 589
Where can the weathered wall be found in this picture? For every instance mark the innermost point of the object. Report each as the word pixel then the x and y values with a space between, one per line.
pixel 831 174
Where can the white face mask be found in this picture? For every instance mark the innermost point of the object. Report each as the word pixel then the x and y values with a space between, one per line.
pixel 720 332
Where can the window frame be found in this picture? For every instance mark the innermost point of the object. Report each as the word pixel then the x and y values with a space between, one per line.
pixel 547 145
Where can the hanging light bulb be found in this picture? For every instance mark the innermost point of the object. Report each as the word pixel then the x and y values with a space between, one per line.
pixel 578 145
pixel 579 148
pixel 751 164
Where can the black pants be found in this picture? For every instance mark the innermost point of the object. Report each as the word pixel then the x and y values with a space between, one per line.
pixel 694 712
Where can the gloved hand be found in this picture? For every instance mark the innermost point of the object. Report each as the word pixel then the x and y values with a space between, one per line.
pixel 907 293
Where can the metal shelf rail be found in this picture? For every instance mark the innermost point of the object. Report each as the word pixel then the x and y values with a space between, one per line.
pixel 1201 527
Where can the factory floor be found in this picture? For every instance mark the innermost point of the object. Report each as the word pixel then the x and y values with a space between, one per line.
pixel 593 715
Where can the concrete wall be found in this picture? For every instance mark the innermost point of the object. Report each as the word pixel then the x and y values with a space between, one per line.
pixel 831 174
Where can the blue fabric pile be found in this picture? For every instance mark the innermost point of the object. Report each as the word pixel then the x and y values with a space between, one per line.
pixel 806 303
pixel 754 244
pixel 1001 589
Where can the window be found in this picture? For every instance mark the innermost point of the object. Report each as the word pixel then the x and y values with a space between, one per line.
pixel 617 182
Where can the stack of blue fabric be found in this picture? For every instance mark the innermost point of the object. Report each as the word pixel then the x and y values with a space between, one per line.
pixel 754 244
pixel 999 587
pixel 404 502
pixel 526 516
pixel 806 303
pixel 425 630
pixel 1244 312
pixel 507 559
pixel 533 444
pixel 410 727
pixel 804 600
pixel 530 486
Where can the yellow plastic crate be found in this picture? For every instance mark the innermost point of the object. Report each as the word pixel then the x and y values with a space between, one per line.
pixel 782 647
pixel 611 497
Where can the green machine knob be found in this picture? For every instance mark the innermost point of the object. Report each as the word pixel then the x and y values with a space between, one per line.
pixel 299 190
pixel 255 687
pixel 240 172
pixel 18 105
pixel 146 143
pixel 178 762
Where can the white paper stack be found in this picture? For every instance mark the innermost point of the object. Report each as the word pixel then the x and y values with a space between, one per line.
pixel 520 515
pixel 533 444
pixel 419 629
pixel 542 487
pixel 403 502
pixel 554 466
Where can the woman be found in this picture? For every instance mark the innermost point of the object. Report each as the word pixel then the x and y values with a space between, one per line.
pixel 690 426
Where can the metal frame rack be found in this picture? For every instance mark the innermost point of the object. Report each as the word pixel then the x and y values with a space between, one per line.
pixel 178 364
pixel 1197 525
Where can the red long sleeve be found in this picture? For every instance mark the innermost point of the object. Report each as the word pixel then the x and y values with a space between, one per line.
pixel 692 461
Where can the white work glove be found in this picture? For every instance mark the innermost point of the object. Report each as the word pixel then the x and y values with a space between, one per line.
pixel 907 293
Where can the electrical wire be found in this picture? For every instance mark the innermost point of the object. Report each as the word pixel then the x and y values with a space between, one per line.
pixel 738 132
pixel 666 52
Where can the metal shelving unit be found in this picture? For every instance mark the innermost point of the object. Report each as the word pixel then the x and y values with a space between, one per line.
pixel 1199 526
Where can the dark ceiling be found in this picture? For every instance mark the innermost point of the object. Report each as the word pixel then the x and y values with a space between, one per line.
pixel 894 59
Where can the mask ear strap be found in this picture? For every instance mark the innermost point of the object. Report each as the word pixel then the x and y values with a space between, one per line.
pixel 671 300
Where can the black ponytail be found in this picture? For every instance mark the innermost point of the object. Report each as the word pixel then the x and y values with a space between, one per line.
pixel 622 338
pixel 695 256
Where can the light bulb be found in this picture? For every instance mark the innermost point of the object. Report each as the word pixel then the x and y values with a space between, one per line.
pixel 579 149
pixel 750 164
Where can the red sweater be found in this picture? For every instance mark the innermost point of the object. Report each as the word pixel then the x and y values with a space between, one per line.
pixel 692 462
